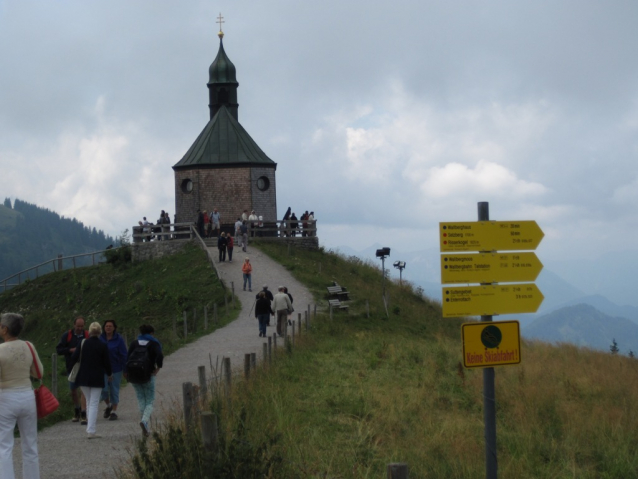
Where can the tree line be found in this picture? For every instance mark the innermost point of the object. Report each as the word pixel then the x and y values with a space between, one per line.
pixel 39 234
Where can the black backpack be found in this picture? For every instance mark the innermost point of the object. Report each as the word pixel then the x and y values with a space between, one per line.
pixel 138 365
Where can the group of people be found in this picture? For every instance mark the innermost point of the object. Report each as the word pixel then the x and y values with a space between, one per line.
pixel 102 358
pixel 305 225
pixel 279 306
pixel 208 224
pixel 161 230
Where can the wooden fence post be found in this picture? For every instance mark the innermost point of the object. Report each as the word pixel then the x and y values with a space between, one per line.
pixel 209 431
pixel 203 386
pixel 187 395
pixel 269 350
pixel 232 290
pixel 397 470
pixel 185 326
pixel 274 338
pixel 299 323
pixel 194 319
pixel 54 374
pixel 265 348
pixel 227 373
pixel 247 366
pixel 253 361
pixel 293 333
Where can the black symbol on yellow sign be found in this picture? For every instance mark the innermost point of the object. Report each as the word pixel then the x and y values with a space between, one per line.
pixel 491 336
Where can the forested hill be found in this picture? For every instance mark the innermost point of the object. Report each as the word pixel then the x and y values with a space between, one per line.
pixel 30 235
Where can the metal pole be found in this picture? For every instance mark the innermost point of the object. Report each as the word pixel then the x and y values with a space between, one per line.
pixel 489 399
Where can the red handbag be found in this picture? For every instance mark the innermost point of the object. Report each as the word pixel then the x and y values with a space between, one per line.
pixel 45 401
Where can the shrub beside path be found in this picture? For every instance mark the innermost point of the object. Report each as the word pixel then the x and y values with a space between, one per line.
pixel 65 451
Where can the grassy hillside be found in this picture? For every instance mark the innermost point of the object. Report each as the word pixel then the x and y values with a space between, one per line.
pixel 358 393
pixel 152 292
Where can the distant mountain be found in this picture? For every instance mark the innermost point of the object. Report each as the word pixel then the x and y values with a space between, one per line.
pixel 584 325
pixel 30 235
pixel 606 306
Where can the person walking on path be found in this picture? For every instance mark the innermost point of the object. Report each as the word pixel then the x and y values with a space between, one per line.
pixel 230 244
pixel 238 231
pixel 66 347
pixel 247 270
pixel 263 311
pixel 18 361
pixel 291 308
pixel 282 306
pixel 93 356
pixel 145 358
pixel 244 236
pixel 117 355
pixel 221 246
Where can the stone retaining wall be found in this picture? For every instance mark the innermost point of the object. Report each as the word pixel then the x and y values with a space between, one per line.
pixel 157 249
pixel 303 242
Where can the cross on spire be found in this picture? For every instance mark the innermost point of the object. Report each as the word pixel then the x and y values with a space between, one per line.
pixel 220 20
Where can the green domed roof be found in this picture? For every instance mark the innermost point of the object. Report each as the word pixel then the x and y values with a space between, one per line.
pixel 222 69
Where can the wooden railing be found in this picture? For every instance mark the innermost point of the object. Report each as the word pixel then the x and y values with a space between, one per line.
pixel 51 266
pixel 266 229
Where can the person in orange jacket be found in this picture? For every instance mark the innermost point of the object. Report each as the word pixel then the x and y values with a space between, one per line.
pixel 247 269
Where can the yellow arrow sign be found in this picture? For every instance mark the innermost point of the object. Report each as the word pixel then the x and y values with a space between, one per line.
pixel 490 344
pixel 490 236
pixel 489 267
pixel 491 299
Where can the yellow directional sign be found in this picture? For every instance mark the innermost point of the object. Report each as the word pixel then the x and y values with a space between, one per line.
pixel 491 299
pixel 490 236
pixel 490 344
pixel 489 267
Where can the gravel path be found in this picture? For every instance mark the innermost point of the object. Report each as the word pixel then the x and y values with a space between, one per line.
pixel 64 449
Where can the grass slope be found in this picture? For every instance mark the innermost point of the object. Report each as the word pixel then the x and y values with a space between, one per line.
pixel 153 292
pixel 358 393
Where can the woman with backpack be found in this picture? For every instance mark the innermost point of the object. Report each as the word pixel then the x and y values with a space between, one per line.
pixel 145 359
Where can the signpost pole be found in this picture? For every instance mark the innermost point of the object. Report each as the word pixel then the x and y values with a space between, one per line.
pixel 489 400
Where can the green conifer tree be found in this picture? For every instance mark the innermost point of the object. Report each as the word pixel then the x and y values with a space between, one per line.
pixel 614 347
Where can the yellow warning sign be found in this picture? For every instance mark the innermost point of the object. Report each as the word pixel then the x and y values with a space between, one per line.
pixel 494 343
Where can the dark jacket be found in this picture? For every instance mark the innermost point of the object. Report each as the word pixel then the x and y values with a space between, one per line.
pixel 267 293
pixel 262 306
pixel 94 364
pixel 117 351
pixel 154 352
pixel 65 344
pixel 221 242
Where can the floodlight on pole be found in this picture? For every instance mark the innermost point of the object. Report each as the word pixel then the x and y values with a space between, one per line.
pixel 382 253
pixel 400 265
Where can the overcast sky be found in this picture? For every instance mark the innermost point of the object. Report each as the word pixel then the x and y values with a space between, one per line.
pixel 384 119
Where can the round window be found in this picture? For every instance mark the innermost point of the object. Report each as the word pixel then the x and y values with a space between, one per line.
pixel 187 186
pixel 263 183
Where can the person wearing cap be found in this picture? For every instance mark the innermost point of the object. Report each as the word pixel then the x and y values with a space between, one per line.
pixel 281 306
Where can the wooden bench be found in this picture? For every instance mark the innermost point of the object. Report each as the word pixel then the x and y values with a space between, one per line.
pixel 338 292
pixel 336 305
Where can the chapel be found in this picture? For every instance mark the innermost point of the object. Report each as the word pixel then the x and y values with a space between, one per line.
pixel 224 168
